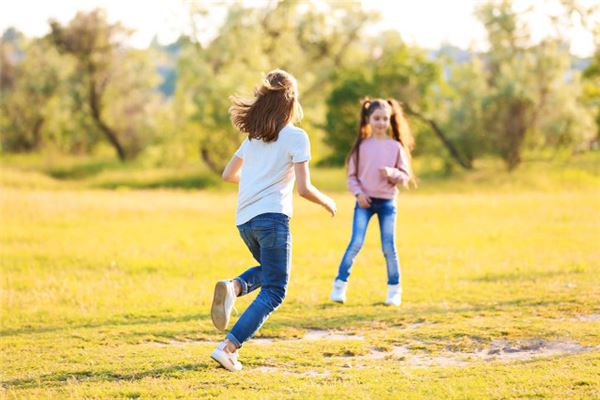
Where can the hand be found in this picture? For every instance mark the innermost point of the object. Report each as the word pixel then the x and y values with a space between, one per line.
pixel 364 201
pixel 330 206
pixel 386 172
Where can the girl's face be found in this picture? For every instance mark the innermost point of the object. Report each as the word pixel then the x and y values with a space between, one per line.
pixel 379 121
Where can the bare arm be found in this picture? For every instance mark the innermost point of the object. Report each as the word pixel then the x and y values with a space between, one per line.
pixel 308 191
pixel 231 173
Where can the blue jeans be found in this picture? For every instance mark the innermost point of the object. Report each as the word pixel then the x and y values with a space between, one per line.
pixel 386 212
pixel 269 240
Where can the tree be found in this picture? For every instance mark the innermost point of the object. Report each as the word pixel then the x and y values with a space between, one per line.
pixel 393 70
pixel 530 91
pixel 508 105
pixel 591 75
pixel 293 35
pixel 118 81
pixel 27 87
pixel 459 106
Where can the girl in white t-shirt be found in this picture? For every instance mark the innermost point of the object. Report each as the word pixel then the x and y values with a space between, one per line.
pixel 274 154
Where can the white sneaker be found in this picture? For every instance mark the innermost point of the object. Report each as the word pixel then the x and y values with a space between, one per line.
pixel 338 294
pixel 394 295
pixel 223 301
pixel 229 361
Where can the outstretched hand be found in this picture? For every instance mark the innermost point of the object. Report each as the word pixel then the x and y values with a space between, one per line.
pixel 330 206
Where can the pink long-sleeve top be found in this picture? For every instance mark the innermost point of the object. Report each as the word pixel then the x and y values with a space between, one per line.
pixel 374 154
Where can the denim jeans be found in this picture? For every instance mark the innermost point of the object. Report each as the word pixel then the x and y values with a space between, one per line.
pixel 269 240
pixel 386 212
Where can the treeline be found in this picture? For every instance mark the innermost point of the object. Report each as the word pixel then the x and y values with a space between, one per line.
pixel 81 85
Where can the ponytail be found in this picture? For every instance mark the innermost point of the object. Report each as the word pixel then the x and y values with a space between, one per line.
pixel 402 133
pixel 364 129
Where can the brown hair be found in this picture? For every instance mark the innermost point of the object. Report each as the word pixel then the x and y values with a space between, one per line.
pixel 401 131
pixel 274 105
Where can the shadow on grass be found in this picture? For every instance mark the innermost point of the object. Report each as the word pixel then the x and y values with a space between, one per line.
pixel 59 378
pixel 526 275
pixel 186 182
pixel 132 175
pixel 354 314
pixel 357 315
pixel 122 321
pixel 83 170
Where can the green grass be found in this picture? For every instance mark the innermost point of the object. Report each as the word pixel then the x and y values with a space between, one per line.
pixel 106 293
pixel 54 171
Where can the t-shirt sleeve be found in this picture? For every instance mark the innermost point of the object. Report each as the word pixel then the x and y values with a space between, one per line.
pixel 300 148
pixel 242 149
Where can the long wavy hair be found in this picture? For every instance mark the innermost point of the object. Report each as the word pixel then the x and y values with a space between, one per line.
pixel 274 105
pixel 401 131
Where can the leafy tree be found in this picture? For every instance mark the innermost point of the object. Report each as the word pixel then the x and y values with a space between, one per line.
pixel 293 35
pixel 119 82
pixel 591 75
pixel 459 109
pixel 392 70
pixel 27 88
pixel 529 91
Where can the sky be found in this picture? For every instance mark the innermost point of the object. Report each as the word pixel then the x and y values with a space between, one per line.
pixel 427 23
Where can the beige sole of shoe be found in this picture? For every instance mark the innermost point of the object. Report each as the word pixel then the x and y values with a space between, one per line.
pixel 217 312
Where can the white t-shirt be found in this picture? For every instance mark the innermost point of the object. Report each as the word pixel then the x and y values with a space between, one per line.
pixel 267 176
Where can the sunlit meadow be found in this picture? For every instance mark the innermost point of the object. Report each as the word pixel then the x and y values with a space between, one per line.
pixel 106 293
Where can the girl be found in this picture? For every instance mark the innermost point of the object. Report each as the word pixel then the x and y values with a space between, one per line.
pixel 265 166
pixel 376 164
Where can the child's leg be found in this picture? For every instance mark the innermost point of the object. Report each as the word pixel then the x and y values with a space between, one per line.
pixel 251 279
pixel 273 236
pixel 359 229
pixel 387 227
pixel 226 291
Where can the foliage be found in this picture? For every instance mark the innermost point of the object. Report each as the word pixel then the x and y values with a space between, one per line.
pixel 392 70
pixel 529 92
pixel 27 91
pixel 296 36
pixel 119 82
pixel 82 86
pixel 591 82
pixel 459 107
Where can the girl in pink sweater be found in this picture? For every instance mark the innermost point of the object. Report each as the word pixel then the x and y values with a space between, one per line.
pixel 377 163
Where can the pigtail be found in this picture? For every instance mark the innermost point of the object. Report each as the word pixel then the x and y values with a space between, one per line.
pixel 364 130
pixel 402 133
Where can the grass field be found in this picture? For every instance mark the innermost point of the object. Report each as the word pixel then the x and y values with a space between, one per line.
pixel 106 293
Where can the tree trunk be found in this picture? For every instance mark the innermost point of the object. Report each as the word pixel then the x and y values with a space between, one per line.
pixel 465 163
pixel 516 127
pixel 37 133
pixel 214 167
pixel 94 100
